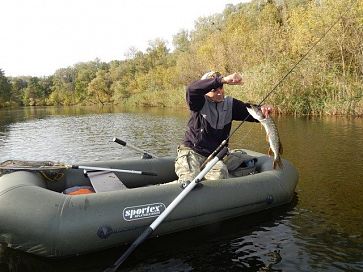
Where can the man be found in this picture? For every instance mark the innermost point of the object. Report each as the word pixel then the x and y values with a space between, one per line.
pixel 209 124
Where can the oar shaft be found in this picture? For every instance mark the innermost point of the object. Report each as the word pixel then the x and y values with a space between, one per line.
pixel 131 249
pixel 113 170
pixel 121 142
pixel 167 211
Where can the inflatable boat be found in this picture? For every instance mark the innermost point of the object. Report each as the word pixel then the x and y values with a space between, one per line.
pixel 69 212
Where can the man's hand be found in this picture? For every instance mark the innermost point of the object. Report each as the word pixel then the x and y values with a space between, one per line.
pixel 233 79
pixel 266 110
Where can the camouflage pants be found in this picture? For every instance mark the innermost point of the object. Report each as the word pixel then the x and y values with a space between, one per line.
pixel 188 162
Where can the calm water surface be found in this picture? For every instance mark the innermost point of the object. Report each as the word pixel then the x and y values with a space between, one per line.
pixel 321 230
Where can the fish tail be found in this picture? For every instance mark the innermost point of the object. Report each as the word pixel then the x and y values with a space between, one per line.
pixel 277 163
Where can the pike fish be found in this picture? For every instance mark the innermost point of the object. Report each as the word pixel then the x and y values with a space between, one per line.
pixel 272 135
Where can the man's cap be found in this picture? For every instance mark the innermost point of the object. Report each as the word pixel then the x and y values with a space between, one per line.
pixel 211 74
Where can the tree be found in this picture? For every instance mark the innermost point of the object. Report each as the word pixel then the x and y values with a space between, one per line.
pixel 156 53
pixel 85 73
pixel 99 89
pixel 35 92
pixel 5 88
pixel 181 41
pixel 205 26
pixel 18 84
pixel 63 89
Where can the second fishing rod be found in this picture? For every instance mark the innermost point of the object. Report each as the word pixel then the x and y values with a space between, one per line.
pixel 224 142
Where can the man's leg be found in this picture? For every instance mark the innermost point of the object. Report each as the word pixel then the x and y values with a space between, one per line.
pixel 187 164
pixel 219 171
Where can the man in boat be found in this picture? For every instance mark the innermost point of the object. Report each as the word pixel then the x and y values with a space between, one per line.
pixel 210 123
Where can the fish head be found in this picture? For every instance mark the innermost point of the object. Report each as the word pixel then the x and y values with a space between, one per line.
pixel 255 112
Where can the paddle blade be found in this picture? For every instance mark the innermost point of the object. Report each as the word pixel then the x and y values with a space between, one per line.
pixel 131 249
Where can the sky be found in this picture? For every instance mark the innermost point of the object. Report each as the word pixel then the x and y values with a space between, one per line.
pixel 40 36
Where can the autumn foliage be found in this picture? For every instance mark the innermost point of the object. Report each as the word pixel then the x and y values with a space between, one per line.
pixel 262 40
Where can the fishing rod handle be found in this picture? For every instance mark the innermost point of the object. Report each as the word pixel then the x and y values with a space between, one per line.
pixel 222 153
pixel 216 151
pixel 119 141
pixel 148 173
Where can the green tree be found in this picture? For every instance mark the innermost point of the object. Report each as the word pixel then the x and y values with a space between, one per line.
pixel 5 88
pixel 18 85
pixel 157 53
pixel 63 89
pixel 99 89
pixel 122 74
pixel 35 92
pixel 85 73
pixel 181 41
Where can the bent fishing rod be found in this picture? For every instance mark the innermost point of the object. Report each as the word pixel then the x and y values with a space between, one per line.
pixel 224 142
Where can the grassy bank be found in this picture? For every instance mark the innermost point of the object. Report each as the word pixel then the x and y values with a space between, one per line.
pixel 321 100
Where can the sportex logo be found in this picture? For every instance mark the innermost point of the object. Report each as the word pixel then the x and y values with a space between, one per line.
pixel 143 211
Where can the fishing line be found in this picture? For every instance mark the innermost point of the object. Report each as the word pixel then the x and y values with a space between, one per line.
pixel 224 142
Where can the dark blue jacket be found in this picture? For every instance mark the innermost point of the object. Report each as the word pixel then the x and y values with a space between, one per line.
pixel 210 122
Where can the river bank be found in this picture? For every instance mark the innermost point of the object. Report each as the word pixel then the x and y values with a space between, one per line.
pixel 175 100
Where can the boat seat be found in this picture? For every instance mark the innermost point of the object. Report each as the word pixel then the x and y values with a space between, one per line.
pixel 105 181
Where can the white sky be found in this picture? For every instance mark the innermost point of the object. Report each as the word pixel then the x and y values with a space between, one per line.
pixel 40 36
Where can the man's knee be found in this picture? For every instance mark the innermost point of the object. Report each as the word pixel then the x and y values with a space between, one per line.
pixel 219 171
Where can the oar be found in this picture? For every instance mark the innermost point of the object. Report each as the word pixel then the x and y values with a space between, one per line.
pixel 65 166
pixel 166 212
pixel 113 170
pixel 147 155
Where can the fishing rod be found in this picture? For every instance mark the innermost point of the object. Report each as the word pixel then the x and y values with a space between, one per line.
pixel 224 142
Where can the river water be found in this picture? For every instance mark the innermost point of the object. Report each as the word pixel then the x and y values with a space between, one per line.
pixel 321 230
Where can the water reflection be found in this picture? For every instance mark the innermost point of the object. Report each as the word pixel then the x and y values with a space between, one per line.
pixel 322 231
pixel 327 153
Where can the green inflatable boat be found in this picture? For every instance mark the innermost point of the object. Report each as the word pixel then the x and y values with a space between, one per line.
pixel 64 212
